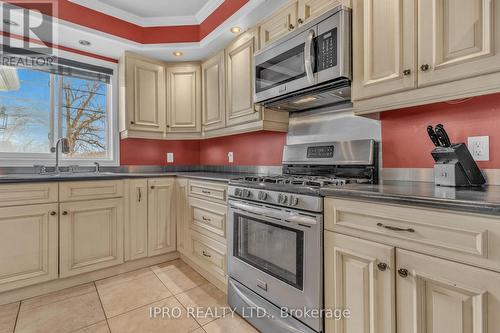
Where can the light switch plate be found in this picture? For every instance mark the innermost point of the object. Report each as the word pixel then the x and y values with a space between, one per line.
pixel 230 157
pixel 479 147
pixel 170 157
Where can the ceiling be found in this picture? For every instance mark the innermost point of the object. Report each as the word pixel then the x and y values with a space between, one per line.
pixel 149 13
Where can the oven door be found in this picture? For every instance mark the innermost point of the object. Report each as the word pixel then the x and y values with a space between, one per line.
pixel 267 251
pixel 286 67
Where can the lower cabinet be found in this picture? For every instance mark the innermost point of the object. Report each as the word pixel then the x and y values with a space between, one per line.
pixel 388 289
pixel 161 216
pixel 136 225
pixel 359 277
pixel 90 235
pixel 28 245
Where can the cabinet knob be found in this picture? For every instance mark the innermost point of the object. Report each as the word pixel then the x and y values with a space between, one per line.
pixel 132 122
pixel 424 68
pixel 65 213
pixel 153 187
pixel 53 213
pixel 291 27
pixel 403 272
pixel 168 126
pixel 300 21
pixel 382 266
pixel 407 72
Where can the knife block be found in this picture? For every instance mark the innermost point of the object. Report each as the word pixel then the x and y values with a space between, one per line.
pixel 454 166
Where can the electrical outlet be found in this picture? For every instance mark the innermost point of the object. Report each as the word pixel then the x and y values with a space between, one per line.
pixel 479 147
pixel 230 157
pixel 170 157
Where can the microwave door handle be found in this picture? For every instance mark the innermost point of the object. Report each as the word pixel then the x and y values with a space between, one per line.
pixel 308 56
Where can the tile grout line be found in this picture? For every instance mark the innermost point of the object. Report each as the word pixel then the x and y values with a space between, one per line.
pixel 102 307
pixel 17 316
pixel 141 306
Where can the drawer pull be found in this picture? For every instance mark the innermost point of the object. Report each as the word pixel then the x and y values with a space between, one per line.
pixel 403 272
pixel 206 192
pixel 65 213
pixel 205 219
pixel 382 266
pixel 53 213
pixel 389 227
pixel 206 255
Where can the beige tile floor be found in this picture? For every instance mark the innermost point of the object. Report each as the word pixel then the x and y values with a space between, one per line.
pixel 123 303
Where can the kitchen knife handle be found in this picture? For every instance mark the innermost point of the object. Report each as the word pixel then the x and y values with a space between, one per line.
pixel 433 136
pixel 442 135
pixel 445 134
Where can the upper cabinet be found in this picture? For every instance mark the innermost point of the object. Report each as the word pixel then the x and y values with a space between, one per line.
pixel 240 76
pixel 414 52
pixel 309 9
pixel 142 97
pixel 213 93
pixel 384 48
pixel 457 39
pixel 184 98
pixel 278 25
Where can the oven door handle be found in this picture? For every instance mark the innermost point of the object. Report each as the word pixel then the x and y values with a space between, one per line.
pixel 280 215
pixel 309 56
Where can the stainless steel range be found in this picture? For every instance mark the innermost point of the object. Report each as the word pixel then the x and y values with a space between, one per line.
pixel 275 233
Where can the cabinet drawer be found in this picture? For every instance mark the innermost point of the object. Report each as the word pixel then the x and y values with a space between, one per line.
pixel 208 217
pixel 27 194
pixel 102 189
pixel 208 191
pixel 466 237
pixel 209 254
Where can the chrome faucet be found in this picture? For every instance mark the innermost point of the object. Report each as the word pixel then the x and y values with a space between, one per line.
pixel 64 143
pixel 97 167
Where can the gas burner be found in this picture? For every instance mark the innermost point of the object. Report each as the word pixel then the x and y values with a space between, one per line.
pixel 298 180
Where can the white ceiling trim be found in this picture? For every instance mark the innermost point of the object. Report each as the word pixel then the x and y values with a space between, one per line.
pixel 198 18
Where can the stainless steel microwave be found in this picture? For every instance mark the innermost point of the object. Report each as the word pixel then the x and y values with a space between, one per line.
pixel 308 68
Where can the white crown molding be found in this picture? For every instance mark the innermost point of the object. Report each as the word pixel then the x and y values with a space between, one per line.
pixel 207 9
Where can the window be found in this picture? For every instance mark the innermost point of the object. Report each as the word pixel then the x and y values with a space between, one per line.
pixel 40 105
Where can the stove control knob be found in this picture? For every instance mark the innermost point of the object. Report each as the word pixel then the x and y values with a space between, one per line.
pixel 262 195
pixel 294 201
pixel 246 194
pixel 282 199
pixel 237 192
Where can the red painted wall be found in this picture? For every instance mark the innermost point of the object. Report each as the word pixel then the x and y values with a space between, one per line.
pixel 258 148
pixel 405 143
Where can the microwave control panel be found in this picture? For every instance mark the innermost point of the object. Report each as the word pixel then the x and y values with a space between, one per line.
pixel 327 50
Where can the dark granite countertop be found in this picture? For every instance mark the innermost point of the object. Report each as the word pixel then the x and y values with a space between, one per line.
pixel 30 178
pixel 482 200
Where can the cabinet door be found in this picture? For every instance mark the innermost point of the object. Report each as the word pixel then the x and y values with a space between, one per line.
pixel 359 276
pixel 161 216
pixel 278 25
pixel 240 70
pixel 309 9
pixel 136 227
pixel 436 295
pixel 384 41
pixel 184 99
pixel 457 39
pixel 91 235
pixel 182 215
pixel 28 245
pixel 214 97
pixel 145 95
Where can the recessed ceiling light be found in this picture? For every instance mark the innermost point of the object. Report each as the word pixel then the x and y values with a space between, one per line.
pixel 178 54
pixel 10 22
pixel 235 30
pixel 84 42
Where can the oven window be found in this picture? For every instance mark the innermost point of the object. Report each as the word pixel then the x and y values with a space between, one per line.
pixel 283 68
pixel 271 248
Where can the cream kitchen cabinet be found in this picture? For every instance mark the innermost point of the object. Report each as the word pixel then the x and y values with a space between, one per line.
pixel 309 9
pixel 384 47
pixel 136 223
pixel 417 52
pixel 213 93
pixel 28 244
pixel 182 215
pixel 161 216
pixel 142 94
pixel 90 235
pixel 359 276
pixel 278 24
pixel 240 107
pixel 183 99
pixel 436 295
